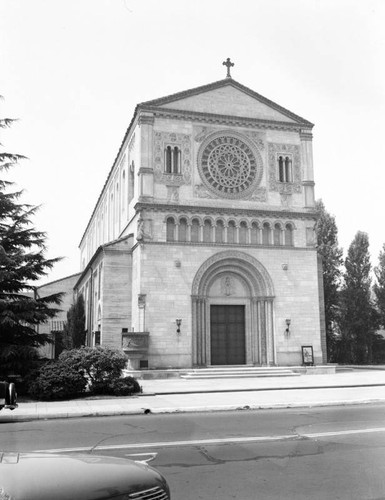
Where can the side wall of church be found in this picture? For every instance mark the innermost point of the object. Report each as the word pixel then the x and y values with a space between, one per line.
pixel 116 296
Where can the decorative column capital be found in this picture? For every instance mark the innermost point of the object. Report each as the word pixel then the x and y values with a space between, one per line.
pixel 306 135
pixel 146 119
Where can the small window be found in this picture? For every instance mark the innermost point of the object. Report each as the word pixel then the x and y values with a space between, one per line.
pixel 266 231
pixel 231 232
pixel 195 229
pixel 277 234
pixel 288 235
pixel 182 230
pixel 172 160
pixel 219 232
pixel 170 229
pixel 285 169
pixel 207 231
pixel 243 233
pixel 255 239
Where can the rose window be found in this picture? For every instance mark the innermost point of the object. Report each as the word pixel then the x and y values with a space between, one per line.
pixel 228 165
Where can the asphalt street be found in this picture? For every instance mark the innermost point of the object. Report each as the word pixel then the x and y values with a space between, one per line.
pixel 309 453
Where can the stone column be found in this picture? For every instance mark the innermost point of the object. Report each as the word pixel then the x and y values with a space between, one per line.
pixel 270 340
pixel 262 332
pixel 307 162
pixel 146 172
pixel 255 350
pixel 199 331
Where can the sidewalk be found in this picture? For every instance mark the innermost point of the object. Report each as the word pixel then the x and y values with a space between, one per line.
pixel 181 395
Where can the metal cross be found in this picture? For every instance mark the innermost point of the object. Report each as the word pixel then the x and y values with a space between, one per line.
pixel 229 64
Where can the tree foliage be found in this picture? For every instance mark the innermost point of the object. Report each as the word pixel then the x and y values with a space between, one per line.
pixel 379 286
pixel 331 255
pixel 22 262
pixel 75 327
pixel 359 319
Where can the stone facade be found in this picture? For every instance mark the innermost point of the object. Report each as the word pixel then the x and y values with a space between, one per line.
pixel 201 245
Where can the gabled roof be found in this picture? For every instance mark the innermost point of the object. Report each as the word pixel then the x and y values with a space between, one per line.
pixel 203 98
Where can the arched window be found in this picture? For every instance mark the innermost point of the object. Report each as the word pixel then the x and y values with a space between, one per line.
pixel 207 231
pixel 277 234
pixel 168 160
pixel 289 235
pixel 255 239
pixel 123 196
pixel 266 231
pixel 182 236
pixel 285 169
pixel 172 160
pixel 132 181
pixel 195 230
pixel 281 170
pixel 111 218
pixel 219 232
pixel 231 232
pixel 170 229
pixel 243 233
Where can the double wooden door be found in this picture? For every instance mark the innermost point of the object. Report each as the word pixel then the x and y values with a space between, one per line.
pixel 227 333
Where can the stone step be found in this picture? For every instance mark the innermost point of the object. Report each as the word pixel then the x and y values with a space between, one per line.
pixel 238 372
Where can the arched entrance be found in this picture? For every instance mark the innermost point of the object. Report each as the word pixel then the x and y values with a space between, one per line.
pixel 232 307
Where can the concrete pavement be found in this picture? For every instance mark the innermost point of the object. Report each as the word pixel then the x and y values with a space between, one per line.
pixel 180 395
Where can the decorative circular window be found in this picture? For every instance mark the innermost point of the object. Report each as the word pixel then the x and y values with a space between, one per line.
pixel 229 164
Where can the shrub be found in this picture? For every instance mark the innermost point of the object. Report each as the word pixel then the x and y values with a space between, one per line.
pixel 58 381
pixel 124 386
pixel 101 365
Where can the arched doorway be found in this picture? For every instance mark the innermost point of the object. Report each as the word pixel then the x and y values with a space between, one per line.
pixel 232 307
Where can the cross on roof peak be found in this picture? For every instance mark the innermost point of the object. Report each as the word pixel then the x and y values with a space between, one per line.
pixel 228 64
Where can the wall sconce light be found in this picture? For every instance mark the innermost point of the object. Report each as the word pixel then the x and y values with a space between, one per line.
pixel 178 323
pixel 287 331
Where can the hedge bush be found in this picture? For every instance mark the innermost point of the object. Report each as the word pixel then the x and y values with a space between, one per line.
pixel 58 381
pixel 97 370
pixel 101 365
pixel 124 386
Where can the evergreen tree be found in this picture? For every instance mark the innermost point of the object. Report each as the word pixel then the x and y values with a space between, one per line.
pixel 22 262
pixel 331 254
pixel 75 327
pixel 379 286
pixel 359 320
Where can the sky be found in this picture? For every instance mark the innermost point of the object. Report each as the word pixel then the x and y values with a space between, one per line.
pixel 72 72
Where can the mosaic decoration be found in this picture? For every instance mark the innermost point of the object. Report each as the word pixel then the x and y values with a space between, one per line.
pixel 183 142
pixel 229 165
pixel 286 188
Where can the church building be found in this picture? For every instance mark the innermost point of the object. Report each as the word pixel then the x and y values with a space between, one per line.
pixel 201 248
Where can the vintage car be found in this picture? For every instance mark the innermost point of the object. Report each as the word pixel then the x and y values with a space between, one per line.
pixel 7 396
pixel 46 476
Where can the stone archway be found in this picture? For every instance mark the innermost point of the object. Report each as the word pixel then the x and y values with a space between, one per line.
pixel 233 278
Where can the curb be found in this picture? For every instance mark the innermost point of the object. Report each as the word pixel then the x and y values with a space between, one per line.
pixel 192 409
pixel 261 389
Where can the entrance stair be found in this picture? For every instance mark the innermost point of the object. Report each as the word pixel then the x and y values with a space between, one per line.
pixel 238 372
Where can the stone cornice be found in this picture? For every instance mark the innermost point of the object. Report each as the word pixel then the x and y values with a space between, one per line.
pixel 227 120
pixel 225 246
pixel 246 212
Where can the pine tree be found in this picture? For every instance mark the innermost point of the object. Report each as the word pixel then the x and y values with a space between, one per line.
pixel 331 254
pixel 22 262
pixel 359 320
pixel 379 286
